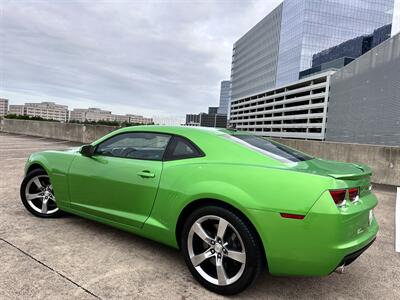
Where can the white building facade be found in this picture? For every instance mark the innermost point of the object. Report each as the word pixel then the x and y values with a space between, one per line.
pixel 296 110
pixel 91 114
pixel 16 109
pixel 47 110
pixel 138 119
pixel 3 107
pixel 94 114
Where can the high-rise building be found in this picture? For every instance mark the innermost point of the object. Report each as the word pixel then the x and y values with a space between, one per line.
pixel 354 47
pixel 224 97
pixel 3 106
pixel 255 57
pixel 340 55
pixel 282 44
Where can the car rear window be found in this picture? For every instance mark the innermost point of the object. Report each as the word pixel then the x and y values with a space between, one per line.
pixel 270 148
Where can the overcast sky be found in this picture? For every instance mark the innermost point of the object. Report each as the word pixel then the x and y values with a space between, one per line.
pixel 153 58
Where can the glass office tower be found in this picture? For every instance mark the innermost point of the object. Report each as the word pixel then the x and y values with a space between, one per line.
pixel 255 56
pixel 309 26
pixel 224 97
pixel 281 45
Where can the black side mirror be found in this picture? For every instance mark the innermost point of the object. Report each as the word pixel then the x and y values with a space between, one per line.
pixel 87 150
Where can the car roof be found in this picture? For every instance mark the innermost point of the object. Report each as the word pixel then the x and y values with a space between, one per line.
pixel 179 130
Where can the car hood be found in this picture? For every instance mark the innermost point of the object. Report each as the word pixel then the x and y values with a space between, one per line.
pixel 72 149
pixel 335 169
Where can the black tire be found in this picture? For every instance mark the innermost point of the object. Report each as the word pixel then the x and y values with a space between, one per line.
pixel 27 179
pixel 254 263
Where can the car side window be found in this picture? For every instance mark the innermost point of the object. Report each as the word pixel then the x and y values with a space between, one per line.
pixel 181 148
pixel 135 145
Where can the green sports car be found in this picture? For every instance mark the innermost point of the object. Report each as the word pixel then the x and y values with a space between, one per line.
pixel 234 203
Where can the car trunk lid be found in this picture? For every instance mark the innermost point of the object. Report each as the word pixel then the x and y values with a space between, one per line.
pixel 337 170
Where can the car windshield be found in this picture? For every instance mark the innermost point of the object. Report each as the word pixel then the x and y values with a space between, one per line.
pixel 270 148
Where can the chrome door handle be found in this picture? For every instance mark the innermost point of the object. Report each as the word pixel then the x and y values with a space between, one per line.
pixel 146 174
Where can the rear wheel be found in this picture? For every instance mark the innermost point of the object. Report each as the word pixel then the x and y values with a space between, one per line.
pixel 37 195
pixel 221 250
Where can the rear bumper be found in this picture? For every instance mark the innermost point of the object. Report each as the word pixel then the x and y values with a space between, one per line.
pixel 318 244
pixel 348 259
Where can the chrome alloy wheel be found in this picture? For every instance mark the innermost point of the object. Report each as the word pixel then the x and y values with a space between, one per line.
pixel 216 250
pixel 40 195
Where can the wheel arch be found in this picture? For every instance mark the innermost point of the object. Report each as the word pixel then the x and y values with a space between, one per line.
pixel 35 166
pixel 190 207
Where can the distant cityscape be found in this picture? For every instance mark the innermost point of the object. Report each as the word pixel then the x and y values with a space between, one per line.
pixel 58 112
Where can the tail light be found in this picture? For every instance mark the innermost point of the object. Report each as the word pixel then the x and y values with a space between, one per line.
pixel 338 196
pixel 354 194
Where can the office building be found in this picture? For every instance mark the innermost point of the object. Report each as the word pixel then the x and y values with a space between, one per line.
pixel 3 107
pixel 296 110
pixel 138 119
pixel 193 119
pixel 281 45
pixel 255 57
pixel 168 120
pixel 121 118
pixel 224 97
pixel 45 110
pixel 364 101
pixel 340 55
pixel 93 114
pixel 210 119
pixel 16 109
pixel 333 65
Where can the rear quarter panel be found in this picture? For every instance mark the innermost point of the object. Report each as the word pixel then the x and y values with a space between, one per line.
pixel 245 187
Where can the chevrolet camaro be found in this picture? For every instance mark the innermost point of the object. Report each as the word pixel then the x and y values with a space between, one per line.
pixel 234 203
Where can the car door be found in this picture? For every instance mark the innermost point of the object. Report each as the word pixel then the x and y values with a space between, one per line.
pixel 120 181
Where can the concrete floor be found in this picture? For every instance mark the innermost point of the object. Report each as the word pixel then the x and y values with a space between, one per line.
pixel 71 258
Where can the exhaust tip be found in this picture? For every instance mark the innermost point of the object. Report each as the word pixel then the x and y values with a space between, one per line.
pixel 340 269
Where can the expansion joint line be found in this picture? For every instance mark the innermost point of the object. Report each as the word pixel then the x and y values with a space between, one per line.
pixel 50 268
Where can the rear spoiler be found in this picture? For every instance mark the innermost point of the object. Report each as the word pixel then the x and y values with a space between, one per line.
pixel 365 171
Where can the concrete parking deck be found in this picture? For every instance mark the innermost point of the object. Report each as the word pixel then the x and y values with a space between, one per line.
pixel 71 258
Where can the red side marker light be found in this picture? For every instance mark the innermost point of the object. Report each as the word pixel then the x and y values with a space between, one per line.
pixel 292 216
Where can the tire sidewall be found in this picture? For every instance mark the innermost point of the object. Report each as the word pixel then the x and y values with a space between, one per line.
pixel 24 183
pixel 254 257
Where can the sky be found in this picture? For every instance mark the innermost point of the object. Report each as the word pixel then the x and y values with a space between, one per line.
pixel 396 18
pixel 155 58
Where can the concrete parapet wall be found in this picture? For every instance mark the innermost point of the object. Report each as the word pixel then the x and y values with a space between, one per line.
pixel 384 160
pixel 81 133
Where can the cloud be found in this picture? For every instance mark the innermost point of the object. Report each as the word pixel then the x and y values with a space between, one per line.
pixel 148 57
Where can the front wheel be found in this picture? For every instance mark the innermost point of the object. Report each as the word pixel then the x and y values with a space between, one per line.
pixel 37 195
pixel 221 250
